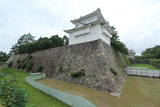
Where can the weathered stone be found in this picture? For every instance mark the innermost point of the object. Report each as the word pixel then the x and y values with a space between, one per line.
pixel 95 59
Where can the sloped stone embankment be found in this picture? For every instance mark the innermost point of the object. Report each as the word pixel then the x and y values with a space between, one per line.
pixel 93 64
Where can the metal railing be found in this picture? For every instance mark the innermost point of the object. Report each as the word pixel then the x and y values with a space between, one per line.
pixel 142 71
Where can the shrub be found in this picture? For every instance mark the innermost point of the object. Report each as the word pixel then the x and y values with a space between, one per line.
pixel 19 65
pixel 18 61
pixel 30 56
pixel 61 69
pixel 119 46
pixel 77 74
pixel 113 71
pixel 40 69
pixel 10 94
pixel 10 64
pixel 23 65
pixel 127 61
pixel 154 62
pixel 29 66
pixel 26 63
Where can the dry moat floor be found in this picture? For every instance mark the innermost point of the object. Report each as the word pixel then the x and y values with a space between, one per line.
pixel 137 92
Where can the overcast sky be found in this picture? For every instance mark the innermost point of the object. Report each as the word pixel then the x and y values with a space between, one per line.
pixel 137 21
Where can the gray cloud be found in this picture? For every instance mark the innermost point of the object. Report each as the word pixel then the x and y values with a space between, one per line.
pixel 137 21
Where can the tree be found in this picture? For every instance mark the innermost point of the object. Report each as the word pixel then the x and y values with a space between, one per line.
pixel 66 40
pixel 115 36
pixel 152 52
pixel 26 44
pixel 116 43
pixel 3 56
pixel 23 40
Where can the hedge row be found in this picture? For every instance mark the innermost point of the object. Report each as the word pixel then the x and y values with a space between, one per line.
pixel 154 62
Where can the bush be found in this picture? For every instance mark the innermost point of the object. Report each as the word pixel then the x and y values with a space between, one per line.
pixel 154 62
pixel 119 46
pixel 29 66
pixel 30 56
pixel 10 94
pixel 40 69
pixel 18 61
pixel 23 65
pixel 61 70
pixel 19 65
pixel 127 61
pixel 26 63
pixel 77 74
pixel 113 71
pixel 10 64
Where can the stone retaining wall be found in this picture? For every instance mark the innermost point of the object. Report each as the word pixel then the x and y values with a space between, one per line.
pixel 99 67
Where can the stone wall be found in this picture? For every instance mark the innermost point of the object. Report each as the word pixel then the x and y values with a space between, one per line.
pixel 93 64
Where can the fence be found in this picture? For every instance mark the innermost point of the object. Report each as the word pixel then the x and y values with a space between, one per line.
pixel 142 71
pixel 154 62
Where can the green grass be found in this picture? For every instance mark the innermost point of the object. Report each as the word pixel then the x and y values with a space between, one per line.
pixel 137 92
pixel 144 65
pixel 1 105
pixel 36 97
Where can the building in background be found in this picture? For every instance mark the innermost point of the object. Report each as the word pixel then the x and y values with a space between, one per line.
pixel 89 28
pixel 131 54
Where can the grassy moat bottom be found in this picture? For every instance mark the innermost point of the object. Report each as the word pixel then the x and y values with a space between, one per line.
pixel 137 92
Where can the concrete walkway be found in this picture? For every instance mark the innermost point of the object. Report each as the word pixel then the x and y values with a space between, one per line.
pixel 69 99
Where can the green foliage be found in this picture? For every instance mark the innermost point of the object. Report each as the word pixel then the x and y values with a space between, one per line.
pixel 29 66
pixel 116 43
pixel 30 56
pixel 115 36
pixel 66 40
pixel 23 40
pixel 155 62
pixel 11 95
pixel 19 61
pixel 148 66
pixel 19 65
pixel 26 63
pixel 77 74
pixel 151 53
pixel 127 61
pixel 24 46
pixel 36 98
pixel 10 64
pixel 40 69
pixel 61 69
pixel 113 71
pixel 23 65
pixel 3 56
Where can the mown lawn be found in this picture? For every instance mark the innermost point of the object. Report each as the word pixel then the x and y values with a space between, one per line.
pixel 36 97
pixel 144 65
pixel 137 92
